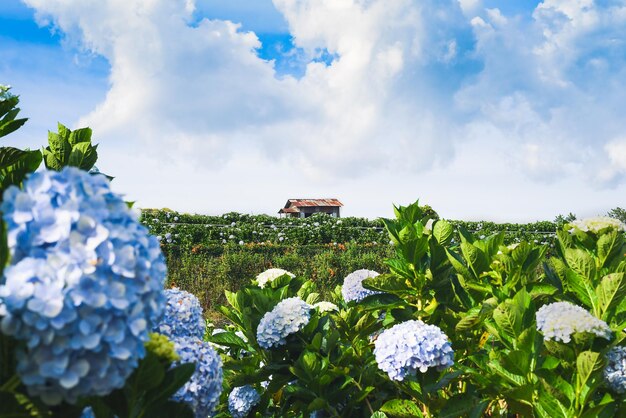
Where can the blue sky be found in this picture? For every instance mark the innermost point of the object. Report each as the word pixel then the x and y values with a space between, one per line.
pixel 484 109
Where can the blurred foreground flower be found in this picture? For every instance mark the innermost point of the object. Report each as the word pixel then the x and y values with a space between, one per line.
pixel 84 287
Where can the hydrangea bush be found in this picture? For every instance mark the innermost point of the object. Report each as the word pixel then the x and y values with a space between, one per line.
pixel 516 320
pixel 84 287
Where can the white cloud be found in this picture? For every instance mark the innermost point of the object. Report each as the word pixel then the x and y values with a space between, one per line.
pixel 413 87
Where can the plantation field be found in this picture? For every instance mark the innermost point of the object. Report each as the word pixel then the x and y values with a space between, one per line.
pixel 209 254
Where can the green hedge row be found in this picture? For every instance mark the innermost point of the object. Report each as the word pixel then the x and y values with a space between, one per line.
pixel 208 233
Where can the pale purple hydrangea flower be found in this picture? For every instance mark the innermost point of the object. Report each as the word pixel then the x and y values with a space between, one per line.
pixel 559 320
pixel 412 346
pixel 241 401
pixel 183 315
pixel 202 392
pixel 353 290
pixel 288 317
pixel 84 287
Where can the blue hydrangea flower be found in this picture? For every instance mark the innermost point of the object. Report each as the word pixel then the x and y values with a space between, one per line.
pixel 288 316
pixel 615 369
pixel 84 287
pixel 87 413
pixel 203 390
pixel 183 315
pixel 241 400
pixel 559 320
pixel 353 290
pixel 405 348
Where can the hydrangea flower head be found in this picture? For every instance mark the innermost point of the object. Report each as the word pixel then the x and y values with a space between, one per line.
pixel 410 346
pixel 559 320
pixel 615 369
pixel 353 290
pixel 270 275
pixel 203 390
pixel 288 317
pixel 326 307
pixel 241 400
pixel 84 287
pixel 598 224
pixel 183 315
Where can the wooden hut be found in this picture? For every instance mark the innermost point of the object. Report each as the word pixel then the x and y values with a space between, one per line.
pixel 303 208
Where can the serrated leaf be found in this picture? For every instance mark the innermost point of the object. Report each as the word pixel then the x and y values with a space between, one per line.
pixel 610 292
pixel 581 262
pixel 80 135
pixel 400 408
pixel 443 231
pixel 587 363
pixel 83 156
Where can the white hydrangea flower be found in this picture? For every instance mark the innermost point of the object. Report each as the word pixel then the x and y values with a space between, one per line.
pixel 559 320
pixel 599 223
pixel 325 307
pixel 270 275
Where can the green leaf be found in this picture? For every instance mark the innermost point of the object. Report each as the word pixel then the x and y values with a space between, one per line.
pixel 386 283
pixel 59 146
pixel 10 407
pixel 512 378
pixel 587 363
pixel 443 231
pixel 581 262
pixel 149 374
pixel 169 409
pixel 378 414
pixel 581 287
pixel 610 292
pixel 400 408
pixel 550 407
pixel 475 258
pixel 609 245
pixel 83 156
pixel 174 379
pixel 10 156
pixel 80 135
pixel 229 339
pixel 458 406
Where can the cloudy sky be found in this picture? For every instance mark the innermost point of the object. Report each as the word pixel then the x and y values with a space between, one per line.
pixel 501 110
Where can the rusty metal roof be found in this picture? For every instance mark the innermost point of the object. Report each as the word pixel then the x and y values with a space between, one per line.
pixel 289 210
pixel 312 202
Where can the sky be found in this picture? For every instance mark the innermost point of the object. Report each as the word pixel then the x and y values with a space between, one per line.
pixel 495 110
